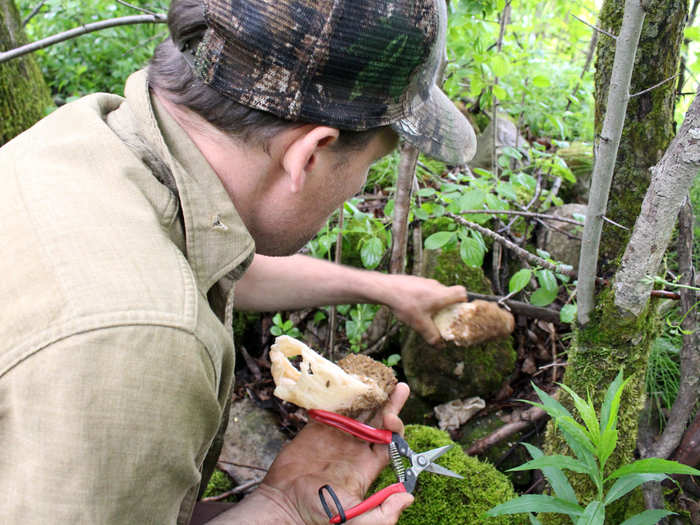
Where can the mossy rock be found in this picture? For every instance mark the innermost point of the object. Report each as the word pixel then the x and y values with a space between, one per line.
pixel 219 483
pixel 453 372
pixel 442 500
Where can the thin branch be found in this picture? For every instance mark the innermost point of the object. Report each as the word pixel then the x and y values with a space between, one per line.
pixel 589 60
pixel 522 253
pixel 78 31
pixel 654 86
pixel 596 28
pixel 610 221
pixel 236 490
pixel 338 259
pixel 532 215
pixel 142 9
pixel 33 13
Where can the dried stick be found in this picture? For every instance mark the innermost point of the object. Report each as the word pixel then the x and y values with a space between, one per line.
pixel 527 418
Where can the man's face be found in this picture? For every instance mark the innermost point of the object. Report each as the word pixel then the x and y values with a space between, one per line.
pixel 337 176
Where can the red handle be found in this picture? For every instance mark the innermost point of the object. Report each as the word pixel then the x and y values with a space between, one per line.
pixel 351 426
pixel 373 501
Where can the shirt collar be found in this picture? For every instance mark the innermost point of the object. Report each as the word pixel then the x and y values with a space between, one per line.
pixel 216 240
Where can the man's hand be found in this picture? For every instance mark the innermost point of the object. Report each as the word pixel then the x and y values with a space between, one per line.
pixel 415 300
pixel 322 455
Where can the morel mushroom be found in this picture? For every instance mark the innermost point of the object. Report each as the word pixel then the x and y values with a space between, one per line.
pixel 474 322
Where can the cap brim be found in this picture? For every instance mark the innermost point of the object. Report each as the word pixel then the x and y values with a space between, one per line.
pixel 438 129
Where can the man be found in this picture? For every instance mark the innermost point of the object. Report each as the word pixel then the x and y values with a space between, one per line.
pixel 133 227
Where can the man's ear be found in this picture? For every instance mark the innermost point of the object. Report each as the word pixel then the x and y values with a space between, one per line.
pixel 302 153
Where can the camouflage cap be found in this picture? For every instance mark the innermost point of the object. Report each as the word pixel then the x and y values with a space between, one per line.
pixel 351 64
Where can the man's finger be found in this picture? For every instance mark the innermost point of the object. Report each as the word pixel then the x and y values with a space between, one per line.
pixel 387 513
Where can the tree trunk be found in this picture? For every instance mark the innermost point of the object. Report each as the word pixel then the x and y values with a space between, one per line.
pixel 649 126
pixel 613 338
pixel 24 96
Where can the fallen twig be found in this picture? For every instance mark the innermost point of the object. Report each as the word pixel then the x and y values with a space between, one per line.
pixel 527 418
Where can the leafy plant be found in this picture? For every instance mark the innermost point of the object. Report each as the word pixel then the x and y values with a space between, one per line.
pixel 280 327
pixel 592 442
pixel 361 317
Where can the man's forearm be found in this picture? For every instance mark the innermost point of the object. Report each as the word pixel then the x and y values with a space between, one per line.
pixel 265 506
pixel 298 281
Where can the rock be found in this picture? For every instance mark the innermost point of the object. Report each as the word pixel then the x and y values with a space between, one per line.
pixel 557 244
pixel 506 135
pixel 454 372
pixel 454 414
pixel 579 158
pixel 252 438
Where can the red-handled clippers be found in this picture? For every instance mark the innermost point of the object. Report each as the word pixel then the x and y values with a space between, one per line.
pixel 398 448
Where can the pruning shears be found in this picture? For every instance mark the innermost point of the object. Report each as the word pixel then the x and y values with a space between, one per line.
pixel 398 449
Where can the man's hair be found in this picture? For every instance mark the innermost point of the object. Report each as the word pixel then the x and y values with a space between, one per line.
pixel 171 74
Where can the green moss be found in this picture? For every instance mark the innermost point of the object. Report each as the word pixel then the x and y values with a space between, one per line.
pixel 442 500
pixel 219 483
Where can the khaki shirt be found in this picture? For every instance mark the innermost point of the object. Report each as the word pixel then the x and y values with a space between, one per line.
pixel 120 248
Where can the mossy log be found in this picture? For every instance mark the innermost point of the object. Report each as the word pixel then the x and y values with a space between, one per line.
pixel 24 96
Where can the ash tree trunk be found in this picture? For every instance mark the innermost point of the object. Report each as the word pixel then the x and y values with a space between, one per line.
pixel 614 335
pixel 24 96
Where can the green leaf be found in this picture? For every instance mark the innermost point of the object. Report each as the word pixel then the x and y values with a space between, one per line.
pixel 554 461
pixel 543 297
pixel 648 517
pixel 277 319
pixel 611 402
pixel 472 199
pixel 535 503
pixel 426 192
pixel 540 81
pixel 507 190
pixel 533 520
pixel 519 280
pixel 275 330
pixel 606 446
pixel 438 240
pixel 557 479
pixel 654 466
pixel 372 252
pixel 471 252
pixel 499 92
pixel 587 412
pixel 594 514
pixel 547 279
pixel 627 483
pixel 568 313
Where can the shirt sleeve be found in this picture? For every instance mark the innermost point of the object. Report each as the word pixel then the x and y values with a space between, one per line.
pixel 106 427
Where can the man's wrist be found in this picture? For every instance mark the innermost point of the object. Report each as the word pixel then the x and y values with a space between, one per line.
pixel 265 506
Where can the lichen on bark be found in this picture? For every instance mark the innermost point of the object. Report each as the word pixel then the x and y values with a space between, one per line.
pixel 24 96
pixel 649 125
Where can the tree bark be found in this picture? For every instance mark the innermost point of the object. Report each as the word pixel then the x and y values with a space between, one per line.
pixel 649 125
pixel 24 96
